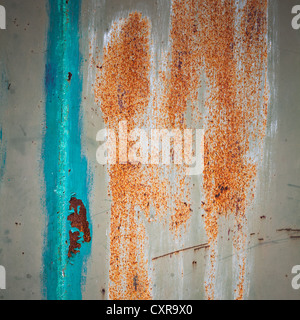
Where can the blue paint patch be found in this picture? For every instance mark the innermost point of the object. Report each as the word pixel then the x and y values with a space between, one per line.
pixel 65 168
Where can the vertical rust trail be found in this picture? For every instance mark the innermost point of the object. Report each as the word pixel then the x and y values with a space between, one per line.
pixel 123 88
pixel 181 83
pixel 235 52
pixel 253 97
pixel 185 60
pixel 226 42
pixel 221 166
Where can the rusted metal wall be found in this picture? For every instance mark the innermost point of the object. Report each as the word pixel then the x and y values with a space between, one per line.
pixel 71 228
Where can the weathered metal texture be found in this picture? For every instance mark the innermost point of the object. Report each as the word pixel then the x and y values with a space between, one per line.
pixel 74 229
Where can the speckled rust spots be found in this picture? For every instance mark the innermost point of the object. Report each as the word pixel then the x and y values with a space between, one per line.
pixel 226 43
pixel 234 47
pixel 79 221
pixel 123 88
pixel 185 60
pixel 180 83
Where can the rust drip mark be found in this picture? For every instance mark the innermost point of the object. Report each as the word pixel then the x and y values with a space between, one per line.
pixel 181 82
pixel 235 55
pixel 185 66
pixel 123 88
pixel 79 221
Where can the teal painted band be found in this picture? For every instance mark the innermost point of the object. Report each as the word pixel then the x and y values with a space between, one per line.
pixel 65 167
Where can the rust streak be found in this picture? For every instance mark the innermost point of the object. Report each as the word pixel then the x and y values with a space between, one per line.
pixel 235 54
pixel 228 43
pixel 123 91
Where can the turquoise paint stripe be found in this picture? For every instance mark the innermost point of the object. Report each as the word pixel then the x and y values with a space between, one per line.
pixel 65 168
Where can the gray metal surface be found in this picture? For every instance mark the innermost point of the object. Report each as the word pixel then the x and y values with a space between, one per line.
pixel 273 248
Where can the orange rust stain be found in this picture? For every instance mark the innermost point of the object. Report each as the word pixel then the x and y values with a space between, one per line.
pixel 235 59
pixel 123 89
pixel 185 65
pixel 229 45
pixel 181 82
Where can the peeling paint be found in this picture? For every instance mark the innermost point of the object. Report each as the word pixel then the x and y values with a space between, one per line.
pixel 79 221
